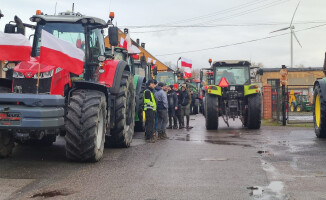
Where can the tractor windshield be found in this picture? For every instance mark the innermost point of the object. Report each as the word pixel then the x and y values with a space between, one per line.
pixel 166 77
pixel 140 70
pixel 235 75
pixel 69 32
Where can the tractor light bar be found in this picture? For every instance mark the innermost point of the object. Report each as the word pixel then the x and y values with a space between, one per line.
pixel 17 75
pixel 48 74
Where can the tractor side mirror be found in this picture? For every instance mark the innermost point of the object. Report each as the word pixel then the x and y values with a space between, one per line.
pixel 261 72
pixel 20 25
pixel 9 28
pixel 113 36
pixel 155 71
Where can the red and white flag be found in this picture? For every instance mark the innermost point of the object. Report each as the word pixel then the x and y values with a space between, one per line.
pixel 187 65
pixel 14 47
pixel 60 53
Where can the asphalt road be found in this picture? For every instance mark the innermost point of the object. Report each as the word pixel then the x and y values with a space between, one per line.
pixel 231 163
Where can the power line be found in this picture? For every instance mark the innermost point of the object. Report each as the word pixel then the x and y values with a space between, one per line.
pixel 221 25
pixel 239 43
pixel 274 3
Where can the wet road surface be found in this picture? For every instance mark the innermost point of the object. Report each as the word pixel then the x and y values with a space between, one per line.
pixel 231 163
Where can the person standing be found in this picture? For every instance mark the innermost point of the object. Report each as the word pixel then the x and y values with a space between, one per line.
pixel 154 91
pixel 162 111
pixel 173 107
pixel 178 111
pixel 185 105
pixel 150 110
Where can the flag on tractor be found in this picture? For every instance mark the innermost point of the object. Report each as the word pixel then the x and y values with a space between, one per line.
pixel 14 47
pixel 60 53
pixel 187 66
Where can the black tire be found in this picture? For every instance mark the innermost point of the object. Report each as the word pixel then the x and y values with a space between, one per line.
pixel 6 143
pixel 211 112
pixel 121 135
pixel 140 125
pixel 321 129
pixel 254 112
pixel 86 126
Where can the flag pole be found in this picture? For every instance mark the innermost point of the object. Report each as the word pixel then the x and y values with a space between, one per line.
pixel 38 78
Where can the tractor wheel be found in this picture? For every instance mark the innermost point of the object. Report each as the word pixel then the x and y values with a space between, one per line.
pixel 211 112
pixel 6 143
pixel 319 112
pixel 204 106
pixel 86 125
pixel 254 112
pixel 299 109
pixel 292 108
pixel 121 135
pixel 140 124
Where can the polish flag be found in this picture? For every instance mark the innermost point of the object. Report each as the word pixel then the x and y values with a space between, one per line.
pixel 60 53
pixel 14 47
pixel 187 65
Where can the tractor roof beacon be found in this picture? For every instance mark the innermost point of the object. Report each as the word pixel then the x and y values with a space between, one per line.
pixel 231 95
pixel 91 109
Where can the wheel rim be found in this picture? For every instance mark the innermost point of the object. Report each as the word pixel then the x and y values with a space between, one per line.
pixel 292 108
pixel 100 129
pixel 317 110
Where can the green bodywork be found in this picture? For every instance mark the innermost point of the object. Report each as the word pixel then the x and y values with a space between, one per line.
pixel 217 90
pixel 303 101
pixel 136 78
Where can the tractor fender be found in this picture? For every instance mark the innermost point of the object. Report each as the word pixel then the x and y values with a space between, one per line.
pixel 4 82
pixel 90 86
pixel 121 67
pixel 322 85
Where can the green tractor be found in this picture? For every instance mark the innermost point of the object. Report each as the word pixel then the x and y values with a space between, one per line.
pixel 319 106
pixel 232 95
pixel 142 72
pixel 301 104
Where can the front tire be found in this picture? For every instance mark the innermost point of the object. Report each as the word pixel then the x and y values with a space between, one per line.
pixel 121 135
pixel 6 143
pixel 211 111
pixel 254 112
pixel 86 124
pixel 319 113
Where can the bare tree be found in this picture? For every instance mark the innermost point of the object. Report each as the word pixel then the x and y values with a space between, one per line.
pixel 257 65
pixel 196 73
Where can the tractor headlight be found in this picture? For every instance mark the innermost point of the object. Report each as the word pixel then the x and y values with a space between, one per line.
pixel 44 74
pixel 17 75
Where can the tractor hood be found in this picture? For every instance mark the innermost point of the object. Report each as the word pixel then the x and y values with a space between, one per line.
pixel 30 68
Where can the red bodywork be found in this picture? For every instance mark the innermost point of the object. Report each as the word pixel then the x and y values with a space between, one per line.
pixel 110 67
pixel 59 80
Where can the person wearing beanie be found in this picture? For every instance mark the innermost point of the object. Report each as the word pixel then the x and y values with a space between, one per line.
pixel 173 106
pixel 162 111
pixel 178 111
pixel 150 110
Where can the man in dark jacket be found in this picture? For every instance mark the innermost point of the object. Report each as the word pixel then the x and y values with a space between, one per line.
pixel 162 110
pixel 178 111
pixel 173 106
pixel 185 105
pixel 150 110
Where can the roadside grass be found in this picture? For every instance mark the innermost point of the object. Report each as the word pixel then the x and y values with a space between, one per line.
pixel 267 122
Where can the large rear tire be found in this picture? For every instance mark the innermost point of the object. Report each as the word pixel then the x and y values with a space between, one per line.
pixel 6 143
pixel 211 111
pixel 254 112
pixel 86 124
pixel 319 112
pixel 121 135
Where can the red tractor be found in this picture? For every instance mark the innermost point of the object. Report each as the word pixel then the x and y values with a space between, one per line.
pixel 91 109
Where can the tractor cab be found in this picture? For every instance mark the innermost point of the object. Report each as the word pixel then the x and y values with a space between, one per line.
pixel 169 78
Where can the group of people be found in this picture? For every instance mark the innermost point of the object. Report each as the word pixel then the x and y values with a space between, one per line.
pixel 162 105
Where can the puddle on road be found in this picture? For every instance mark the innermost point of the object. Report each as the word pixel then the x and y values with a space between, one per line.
pixel 272 191
pixel 53 193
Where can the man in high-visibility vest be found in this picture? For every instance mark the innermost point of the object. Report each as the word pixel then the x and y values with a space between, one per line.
pixel 150 109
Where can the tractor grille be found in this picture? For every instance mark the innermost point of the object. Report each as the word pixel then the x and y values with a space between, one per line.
pixel 28 85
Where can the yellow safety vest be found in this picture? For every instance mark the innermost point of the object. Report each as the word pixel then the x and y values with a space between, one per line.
pixel 149 103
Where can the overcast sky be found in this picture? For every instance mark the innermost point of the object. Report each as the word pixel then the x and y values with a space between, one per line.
pixel 174 27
